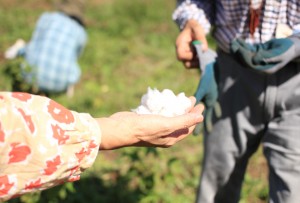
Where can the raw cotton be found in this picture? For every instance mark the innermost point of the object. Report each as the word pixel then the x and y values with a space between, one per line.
pixel 164 103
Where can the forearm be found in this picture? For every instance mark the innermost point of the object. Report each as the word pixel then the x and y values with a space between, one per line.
pixel 115 134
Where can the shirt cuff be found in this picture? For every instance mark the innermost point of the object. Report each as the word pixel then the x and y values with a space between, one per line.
pixel 187 11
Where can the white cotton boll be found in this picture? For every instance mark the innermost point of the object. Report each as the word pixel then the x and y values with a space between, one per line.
pixel 168 98
pixel 177 109
pixel 172 106
pixel 144 99
pixel 154 103
pixel 141 110
pixel 164 103
pixel 169 94
pixel 166 112
pixel 184 101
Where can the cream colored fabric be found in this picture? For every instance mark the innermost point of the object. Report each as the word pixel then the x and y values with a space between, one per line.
pixel 42 144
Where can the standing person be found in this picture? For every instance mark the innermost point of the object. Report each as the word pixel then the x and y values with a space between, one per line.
pixel 258 91
pixel 51 55
pixel 43 144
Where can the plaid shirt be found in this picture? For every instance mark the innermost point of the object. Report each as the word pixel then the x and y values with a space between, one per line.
pixel 230 18
pixel 53 51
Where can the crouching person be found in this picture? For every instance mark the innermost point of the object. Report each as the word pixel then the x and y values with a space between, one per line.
pixel 51 56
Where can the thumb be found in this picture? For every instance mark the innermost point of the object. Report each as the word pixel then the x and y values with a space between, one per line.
pixel 187 120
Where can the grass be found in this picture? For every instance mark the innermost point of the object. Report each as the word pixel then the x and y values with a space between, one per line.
pixel 131 47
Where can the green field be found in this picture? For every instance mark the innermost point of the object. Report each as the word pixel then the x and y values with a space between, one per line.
pixel 131 47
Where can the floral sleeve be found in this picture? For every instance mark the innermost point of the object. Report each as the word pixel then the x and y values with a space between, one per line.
pixel 42 144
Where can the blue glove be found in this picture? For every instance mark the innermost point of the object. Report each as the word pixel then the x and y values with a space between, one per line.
pixel 270 56
pixel 207 90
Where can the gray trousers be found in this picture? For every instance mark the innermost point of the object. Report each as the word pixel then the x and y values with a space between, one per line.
pixel 256 108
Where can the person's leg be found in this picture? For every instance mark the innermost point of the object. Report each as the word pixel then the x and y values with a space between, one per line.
pixel 224 165
pixel 231 190
pixel 235 136
pixel 282 140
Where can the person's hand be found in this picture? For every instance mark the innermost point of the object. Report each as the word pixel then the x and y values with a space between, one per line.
pixel 130 129
pixel 207 90
pixel 184 51
pixel 268 57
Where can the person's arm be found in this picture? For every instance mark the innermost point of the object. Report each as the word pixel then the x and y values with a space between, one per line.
pixel 43 144
pixel 193 20
pixel 184 51
pixel 131 129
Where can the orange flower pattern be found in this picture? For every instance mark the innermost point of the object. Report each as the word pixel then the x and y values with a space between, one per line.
pixel 42 144
pixel 18 153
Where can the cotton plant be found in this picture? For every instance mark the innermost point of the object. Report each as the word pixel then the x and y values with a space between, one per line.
pixel 164 103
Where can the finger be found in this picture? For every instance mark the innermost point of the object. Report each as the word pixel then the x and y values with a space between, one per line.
pixel 183 133
pixel 167 140
pixel 191 64
pixel 199 108
pixel 184 52
pixel 175 137
pixel 185 121
pixel 190 119
pixel 183 49
pixel 193 102
pixel 199 34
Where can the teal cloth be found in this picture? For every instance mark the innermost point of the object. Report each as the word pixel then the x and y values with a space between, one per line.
pixel 207 90
pixel 268 57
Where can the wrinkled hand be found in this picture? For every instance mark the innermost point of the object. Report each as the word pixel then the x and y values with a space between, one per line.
pixel 207 90
pixel 130 129
pixel 270 56
pixel 185 52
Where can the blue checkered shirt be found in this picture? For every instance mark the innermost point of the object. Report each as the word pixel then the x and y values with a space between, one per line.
pixel 53 51
pixel 230 18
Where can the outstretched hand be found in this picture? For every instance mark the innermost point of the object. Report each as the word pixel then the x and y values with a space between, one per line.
pixel 130 129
